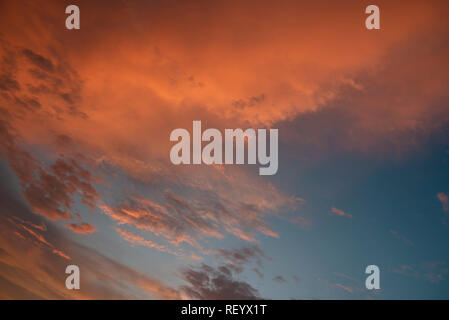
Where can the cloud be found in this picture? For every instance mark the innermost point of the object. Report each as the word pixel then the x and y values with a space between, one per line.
pixel 39 61
pixel 51 191
pixel 346 277
pixel 301 221
pixel 346 288
pixel 279 279
pixel 20 224
pixel 296 279
pixel 36 235
pixel 48 256
pixel 244 255
pixel 238 259
pixel 320 74
pixel 83 228
pixel 176 222
pixel 179 220
pixel 62 254
pixel 340 213
pixel 444 199
pixel 48 187
pixel 135 239
pixel 401 237
pixel 208 283
pixel 352 285
pixel 432 271
pixel 58 164
pixel 258 272
pixel 41 227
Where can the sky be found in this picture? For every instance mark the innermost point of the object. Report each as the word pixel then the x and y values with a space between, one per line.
pixel 86 176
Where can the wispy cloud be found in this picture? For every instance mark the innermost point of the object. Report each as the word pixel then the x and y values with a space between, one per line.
pixel 433 271
pixel 340 213
pixel 36 235
pixel 138 240
pixel 346 288
pixel 401 237
pixel 279 279
pixel 296 279
pixel 444 199
pixel 244 255
pixel 82 228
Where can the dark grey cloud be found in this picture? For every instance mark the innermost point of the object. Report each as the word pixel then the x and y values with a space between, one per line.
pixel 8 83
pixel 244 255
pixel 279 279
pixel 54 81
pixel 39 61
pixel 249 102
pixel 206 282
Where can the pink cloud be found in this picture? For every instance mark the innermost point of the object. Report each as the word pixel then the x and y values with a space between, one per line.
pixel 401 237
pixel 444 199
pixel 340 213
pixel 83 228
pixel 135 239
pixel 346 288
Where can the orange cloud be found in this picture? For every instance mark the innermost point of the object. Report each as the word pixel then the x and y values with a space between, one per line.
pixel 82 228
pixel 346 288
pixel 340 213
pixel 40 238
pixel 444 199
pixel 46 278
pixel 135 239
pixel 282 64
pixel 213 214
pixel 62 254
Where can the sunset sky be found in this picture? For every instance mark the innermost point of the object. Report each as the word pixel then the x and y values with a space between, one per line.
pixel 86 177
